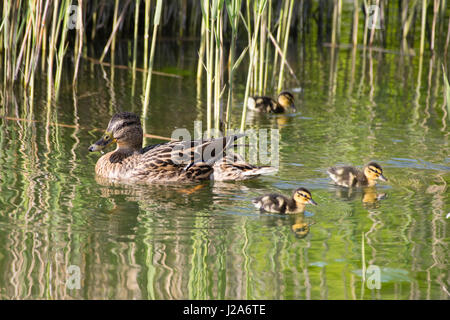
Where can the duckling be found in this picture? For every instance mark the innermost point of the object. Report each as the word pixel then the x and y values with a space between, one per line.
pixel 269 105
pixel 352 177
pixel 175 161
pixel 278 203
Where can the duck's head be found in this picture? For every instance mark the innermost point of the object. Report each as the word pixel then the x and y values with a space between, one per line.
pixel 125 129
pixel 302 196
pixel 286 100
pixel 373 171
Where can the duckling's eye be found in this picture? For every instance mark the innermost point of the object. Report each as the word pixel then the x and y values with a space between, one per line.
pixel 106 137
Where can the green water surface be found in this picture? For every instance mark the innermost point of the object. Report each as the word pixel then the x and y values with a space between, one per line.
pixel 175 242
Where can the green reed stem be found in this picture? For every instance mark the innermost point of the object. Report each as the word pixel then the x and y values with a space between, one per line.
pixel 201 51
pixel 113 33
pixel 422 28
pixel 286 39
pixel 79 40
pixel 233 9
pixel 135 45
pixel 268 28
pixel 156 22
pixel 280 31
pixel 261 5
pixel 62 46
pixel 355 22
pixel 446 90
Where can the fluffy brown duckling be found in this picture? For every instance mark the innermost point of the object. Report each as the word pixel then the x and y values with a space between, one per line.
pixel 277 203
pixel 348 176
pixel 270 105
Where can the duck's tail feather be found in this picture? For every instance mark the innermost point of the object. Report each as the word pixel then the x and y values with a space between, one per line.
pixel 259 171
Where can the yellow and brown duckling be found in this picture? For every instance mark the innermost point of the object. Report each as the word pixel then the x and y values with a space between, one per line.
pixel 277 203
pixel 269 105
pixel 175 161
pixel 348 176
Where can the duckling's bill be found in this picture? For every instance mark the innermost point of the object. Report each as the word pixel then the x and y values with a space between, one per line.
pixel 102 143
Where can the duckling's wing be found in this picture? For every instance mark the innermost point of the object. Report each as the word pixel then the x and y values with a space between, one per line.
pixel 262 104
pixel 344 176
pixel 275 203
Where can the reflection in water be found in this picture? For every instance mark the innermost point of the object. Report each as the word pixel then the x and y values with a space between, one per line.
pixel 207 241
pixel 368 195
pixel 300 226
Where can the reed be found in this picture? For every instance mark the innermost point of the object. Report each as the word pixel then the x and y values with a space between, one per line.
pixel 286 40
pixel 259 9
pixel 79 41
pixel 135 45
pixel 156 22
pixel 422 28
pixel 62 47
pixel 37 30
pixel 446 90
pixel 233 10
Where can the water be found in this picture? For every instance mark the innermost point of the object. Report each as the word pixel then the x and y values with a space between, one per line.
pixel 208 242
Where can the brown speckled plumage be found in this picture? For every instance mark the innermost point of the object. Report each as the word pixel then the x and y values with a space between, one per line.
pixel 176 161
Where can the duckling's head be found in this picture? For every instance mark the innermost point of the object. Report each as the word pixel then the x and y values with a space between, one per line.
pixel 286 100
pixel 302 196
pixel 125 129
pixel 373 171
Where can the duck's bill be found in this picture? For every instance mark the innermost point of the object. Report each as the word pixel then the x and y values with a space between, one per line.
pixel 382 178
pixel 311 201
pixel 100 144
pixel 294 108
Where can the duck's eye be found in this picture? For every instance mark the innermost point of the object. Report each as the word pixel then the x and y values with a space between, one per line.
pixel 106 137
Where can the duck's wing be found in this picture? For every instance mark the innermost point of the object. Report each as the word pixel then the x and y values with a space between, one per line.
pixel 185 154
pixel 226 171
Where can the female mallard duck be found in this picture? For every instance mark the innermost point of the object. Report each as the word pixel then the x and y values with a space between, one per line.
pixel 353 177
pixel 176 161
pixel 269 105
pixel 278 203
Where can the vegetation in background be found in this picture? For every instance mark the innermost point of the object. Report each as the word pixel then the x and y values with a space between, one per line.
pixel 60 33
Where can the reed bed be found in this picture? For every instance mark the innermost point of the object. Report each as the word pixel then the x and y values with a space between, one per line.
pixel 251 34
